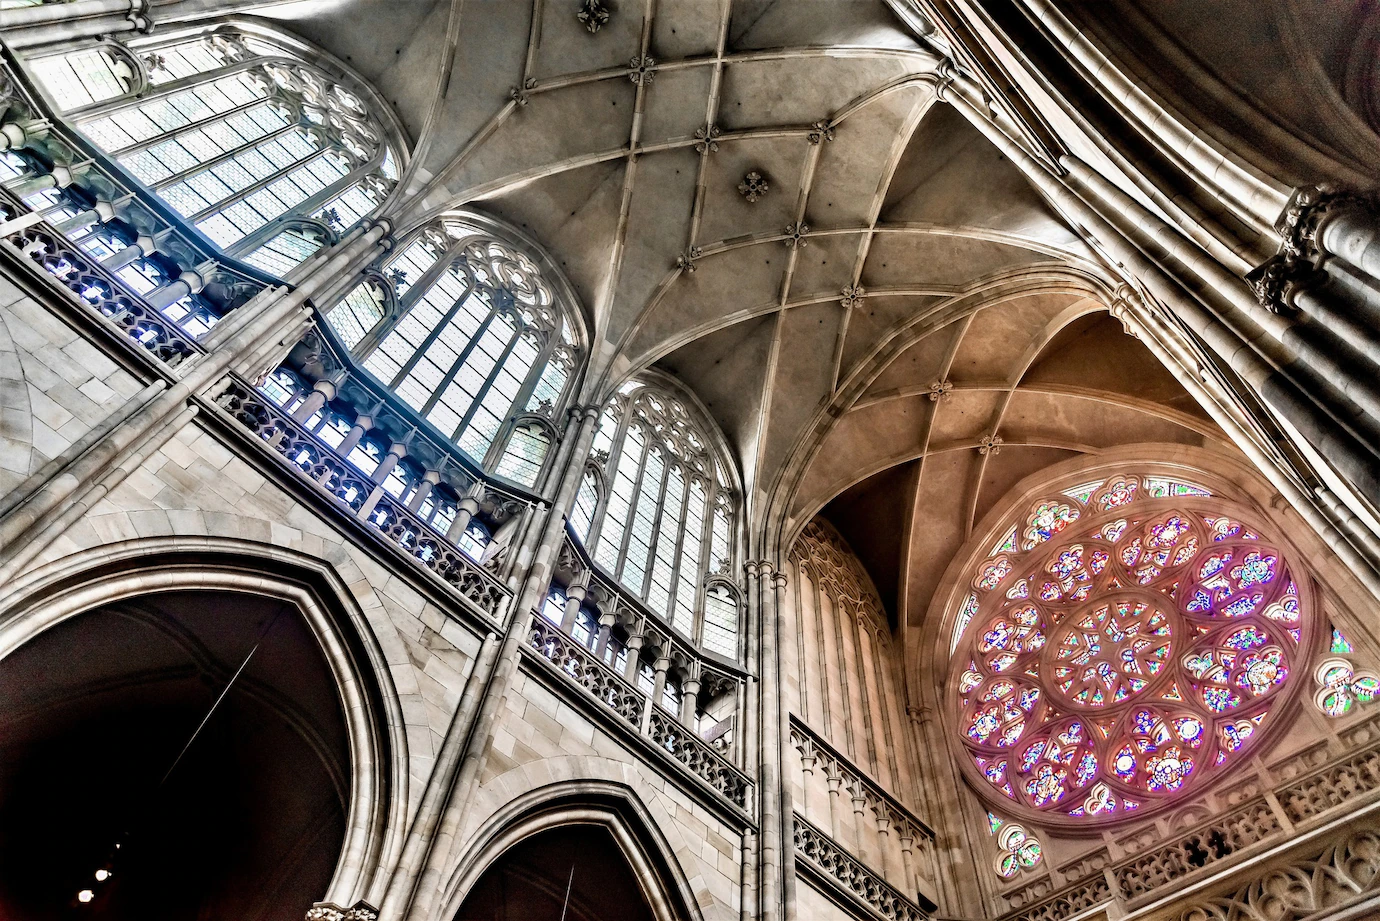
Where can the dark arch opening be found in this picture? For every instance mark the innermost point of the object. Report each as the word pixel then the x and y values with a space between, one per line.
pixel 94 713
pixel 530 880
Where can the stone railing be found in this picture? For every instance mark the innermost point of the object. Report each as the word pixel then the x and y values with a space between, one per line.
pixel 586 670
pixel 696 754
pixel 365 499
pixel 1264 819
pixel 95 288
pixel 885 829
pixel 578 664
pixel 817 852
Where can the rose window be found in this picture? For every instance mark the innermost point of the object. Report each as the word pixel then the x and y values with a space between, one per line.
pixel 1124 643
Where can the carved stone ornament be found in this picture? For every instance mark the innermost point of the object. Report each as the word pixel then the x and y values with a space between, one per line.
pixel 796 234
pixel 1298 224
pixel 642 69
pixel 753 186
pixel 1275 281
pixel 593 14
pixel 707 139
pixel 941 390
pixel 852 296
pixel 990 444
pixel 686 260
pixel 820 131
pixel 520 94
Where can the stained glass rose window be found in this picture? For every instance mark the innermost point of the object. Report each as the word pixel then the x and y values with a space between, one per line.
pixel 1125 641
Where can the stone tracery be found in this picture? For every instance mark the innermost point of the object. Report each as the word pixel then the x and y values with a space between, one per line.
pixel 1126 641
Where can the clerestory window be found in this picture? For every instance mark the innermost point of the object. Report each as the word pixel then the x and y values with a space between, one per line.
pixel 235 134
pixel 656 510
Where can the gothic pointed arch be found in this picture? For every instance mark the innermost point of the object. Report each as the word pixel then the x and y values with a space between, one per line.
pixel 601 845
pixel 239 129
pixel 666 507
pixel 222 582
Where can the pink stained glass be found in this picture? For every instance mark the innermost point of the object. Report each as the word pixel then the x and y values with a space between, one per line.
pixel 1118 493
pixel 1184 613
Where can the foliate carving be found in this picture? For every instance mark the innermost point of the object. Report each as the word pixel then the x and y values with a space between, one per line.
pixel 1298 224
pixel 593 15
pixel 753 186
pixel 707 139
pixel 519 94
pixel 941 390
pixel 990 444
pixel 820 131
pixel 796 234
pixel 852 296
pixel 686 260
pixel 325 913
pixel 1275 281
pixel 642 69
pixel 1340 875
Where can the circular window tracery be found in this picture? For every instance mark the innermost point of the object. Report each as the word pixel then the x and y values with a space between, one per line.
pixel 1123 643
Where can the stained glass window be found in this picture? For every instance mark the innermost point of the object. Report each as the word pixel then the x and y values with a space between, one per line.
pixel 477 341
pixel 666 523
pixel 1141 638
pixel 233 133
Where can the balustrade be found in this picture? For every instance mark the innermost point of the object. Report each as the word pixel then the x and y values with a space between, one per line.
pixel 819 852
pixel 580 665
pixel 94 286
pixel 340 479
pixel 882 831
pixel 1345 784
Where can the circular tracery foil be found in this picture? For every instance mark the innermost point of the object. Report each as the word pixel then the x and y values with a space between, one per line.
pixel 1122 650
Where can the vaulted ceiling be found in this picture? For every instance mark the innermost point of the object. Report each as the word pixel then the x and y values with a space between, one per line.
pixel 630 178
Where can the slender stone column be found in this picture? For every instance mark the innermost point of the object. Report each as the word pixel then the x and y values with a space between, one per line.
pixel 59 177
pixel 634 663
pixel 689 694
pixel 189 282
pixel 322 392
pixel 413 889
pixel 143 246
pixel 601 643
pixel 465 510
pixel 661 667
pixel 429 480
pixel 574 597
pixel 906 837
pixel 1353 233
pixel 396 452
pixel 353 437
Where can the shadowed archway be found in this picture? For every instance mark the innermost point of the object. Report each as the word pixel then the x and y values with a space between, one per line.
pixel 243 817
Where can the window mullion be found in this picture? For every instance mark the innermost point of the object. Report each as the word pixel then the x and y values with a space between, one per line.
pixel 163 90
pixel 432 336
pixel 633 502
pixel 601 508
pixel 534 373
pixel 493 372
pixel 252 241
pixel 687 479
pixel 656 528
pixel 711 493
pixel 460 358
pixel 226 157
pixel 162 136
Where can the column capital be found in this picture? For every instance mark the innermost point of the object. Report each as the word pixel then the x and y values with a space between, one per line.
pixel 755 568
pixel 398 448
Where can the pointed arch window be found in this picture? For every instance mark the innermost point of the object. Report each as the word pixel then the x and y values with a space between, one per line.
pixel 665 522
pixel 477 344
pixel 232 131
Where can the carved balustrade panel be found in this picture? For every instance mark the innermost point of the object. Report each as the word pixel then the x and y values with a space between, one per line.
pixel 348 486
pixel 836 865
pixel 581 666
pixel 97 289
pixel 702 760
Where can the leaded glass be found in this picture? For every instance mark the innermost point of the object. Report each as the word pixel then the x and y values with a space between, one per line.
pixel 1137 642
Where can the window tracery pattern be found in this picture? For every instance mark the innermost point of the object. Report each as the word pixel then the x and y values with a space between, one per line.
pixel 1123 642
pixel 656 510
pixel 232 131
pixel 473 338
pixel 1019 850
